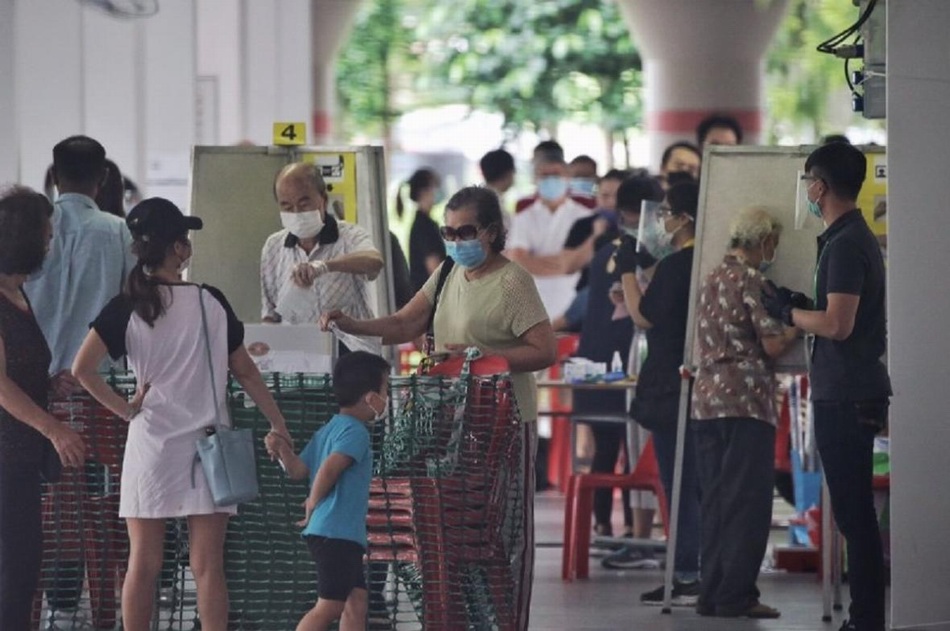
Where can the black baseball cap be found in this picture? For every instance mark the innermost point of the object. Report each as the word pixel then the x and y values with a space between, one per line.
pixel 158 217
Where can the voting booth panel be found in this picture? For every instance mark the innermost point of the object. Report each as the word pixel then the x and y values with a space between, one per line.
pixel 735 178
pixel 232 190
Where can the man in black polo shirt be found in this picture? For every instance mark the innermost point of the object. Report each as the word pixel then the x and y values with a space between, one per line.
pixel 850 387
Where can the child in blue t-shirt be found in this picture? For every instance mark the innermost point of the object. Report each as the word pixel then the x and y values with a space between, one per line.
pixel 338 462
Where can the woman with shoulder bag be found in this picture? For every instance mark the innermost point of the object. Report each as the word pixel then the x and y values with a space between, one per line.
pixel 33 444
pixel 478 297
pixel 180 339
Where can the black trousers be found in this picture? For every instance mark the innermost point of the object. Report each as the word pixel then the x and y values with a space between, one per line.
pixel 736 469
pixel 609 440
pixel 846 447
pixel 21 543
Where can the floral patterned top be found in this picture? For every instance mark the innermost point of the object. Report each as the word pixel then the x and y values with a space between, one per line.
pixel 735 376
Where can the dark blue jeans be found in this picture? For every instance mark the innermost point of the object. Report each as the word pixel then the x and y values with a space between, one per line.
pixel 686 563
pixel 846 447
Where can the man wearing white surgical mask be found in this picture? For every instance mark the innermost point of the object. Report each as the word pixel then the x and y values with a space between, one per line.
pixel 538 237
pixel 316 262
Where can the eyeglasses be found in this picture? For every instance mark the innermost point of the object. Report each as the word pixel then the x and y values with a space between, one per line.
pixel 462 233
pixel 665 210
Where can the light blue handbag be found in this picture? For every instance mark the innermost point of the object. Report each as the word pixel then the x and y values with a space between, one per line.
pixel 226 455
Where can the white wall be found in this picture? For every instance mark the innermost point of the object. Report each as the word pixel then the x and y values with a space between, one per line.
pixel 258 55
pixel 918 94
pixel 127 83
pixel 9 136
pixel 70 69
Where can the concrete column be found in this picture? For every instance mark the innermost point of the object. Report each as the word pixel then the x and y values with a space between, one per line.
pixel 276 66
pixel 49 84
pixel 220 62
pixel 330 22
pixel 168 108
pixel 918 294
pixel 700 57
pixel 9 137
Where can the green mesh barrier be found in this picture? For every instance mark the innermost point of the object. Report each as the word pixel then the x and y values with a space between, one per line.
pixel 446 519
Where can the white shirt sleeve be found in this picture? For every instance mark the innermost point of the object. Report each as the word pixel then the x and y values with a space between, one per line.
pixel 518 236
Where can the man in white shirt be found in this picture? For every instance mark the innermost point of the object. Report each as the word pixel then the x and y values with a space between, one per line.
pixel 317 262
pixel 539 232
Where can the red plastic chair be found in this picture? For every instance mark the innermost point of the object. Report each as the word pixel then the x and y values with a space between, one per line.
pixel 559 451
pixel 579 505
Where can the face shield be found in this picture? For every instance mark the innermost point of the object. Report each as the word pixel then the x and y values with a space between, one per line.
pixel 652 231
pixel 802 215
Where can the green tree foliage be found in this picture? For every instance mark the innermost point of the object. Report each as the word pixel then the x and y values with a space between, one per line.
pixel 372 63
pixel 536 61
pixel 802 82
pixel 542 61
pixel 539 62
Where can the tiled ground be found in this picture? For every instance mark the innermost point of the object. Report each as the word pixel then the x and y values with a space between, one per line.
pixel 609 599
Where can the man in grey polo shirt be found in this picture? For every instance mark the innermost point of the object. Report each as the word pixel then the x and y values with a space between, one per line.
pixel 850 388
pixel 327 263
pixel 90 257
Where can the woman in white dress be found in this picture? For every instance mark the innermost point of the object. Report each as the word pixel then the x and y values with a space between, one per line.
pixel 157 323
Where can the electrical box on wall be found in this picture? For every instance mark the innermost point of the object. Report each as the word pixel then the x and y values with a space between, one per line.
pixel 871 79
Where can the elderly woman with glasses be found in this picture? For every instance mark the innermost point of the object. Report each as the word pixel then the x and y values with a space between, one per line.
pixel 480 298
pixel 734 418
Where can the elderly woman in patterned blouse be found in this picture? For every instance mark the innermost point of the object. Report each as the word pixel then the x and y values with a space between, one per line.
pixel 734 408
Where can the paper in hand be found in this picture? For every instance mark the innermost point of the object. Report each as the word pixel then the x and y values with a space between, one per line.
pixel 369 343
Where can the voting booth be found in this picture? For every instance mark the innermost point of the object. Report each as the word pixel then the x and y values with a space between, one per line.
pixel 738 177
pixel 232 190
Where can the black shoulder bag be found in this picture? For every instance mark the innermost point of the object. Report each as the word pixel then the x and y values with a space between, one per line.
pixel 447 266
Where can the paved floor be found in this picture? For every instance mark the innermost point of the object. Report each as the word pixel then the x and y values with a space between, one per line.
pixel 609 599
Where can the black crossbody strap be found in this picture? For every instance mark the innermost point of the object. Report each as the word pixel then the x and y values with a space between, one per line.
pixel 447 266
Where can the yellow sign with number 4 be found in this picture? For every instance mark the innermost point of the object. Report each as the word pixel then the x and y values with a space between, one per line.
pixel 290 133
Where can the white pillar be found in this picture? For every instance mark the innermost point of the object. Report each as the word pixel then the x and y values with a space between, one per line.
pixel 701 57
pixel 127 83
pixel 221 64
pixel 49 84
pixel 918 293
pixel 276 63
pixel 9 137
pixel 331 22
pixel 168 109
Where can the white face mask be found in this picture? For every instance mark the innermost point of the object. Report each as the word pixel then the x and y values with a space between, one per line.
pixel 305 225
pixel 378 416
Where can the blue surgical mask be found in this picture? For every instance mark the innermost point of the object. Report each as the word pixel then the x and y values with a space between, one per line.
pixel 766 264
pixel 552 188
pixel 814 208
pixel 468 254
pixel 583 186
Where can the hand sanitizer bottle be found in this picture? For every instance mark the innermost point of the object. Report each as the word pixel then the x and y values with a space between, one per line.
pixel 616 365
